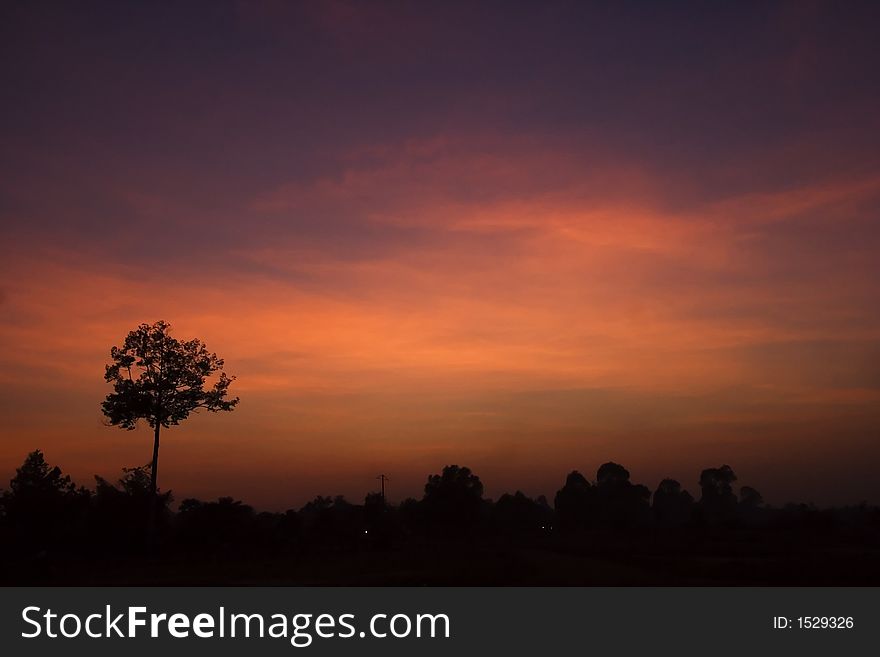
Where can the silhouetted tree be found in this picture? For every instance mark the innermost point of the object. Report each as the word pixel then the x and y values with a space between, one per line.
pixel 37 480
pixel 42 505
pixel 611 475
pixel 620 502
pixel 672 506
pixel 124 509
pixel 717 500
pixel 282 529
pixel 162 380
pixel 222 523
pixel 410 513
pixel 454 497
pixel 520 514
pixel 751 506
pixel 750 498
pixel 575 502
pixel 332 522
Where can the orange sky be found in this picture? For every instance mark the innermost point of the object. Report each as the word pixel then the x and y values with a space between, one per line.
pixel 524 294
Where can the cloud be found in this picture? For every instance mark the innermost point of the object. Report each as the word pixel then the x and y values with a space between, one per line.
pixel 503 266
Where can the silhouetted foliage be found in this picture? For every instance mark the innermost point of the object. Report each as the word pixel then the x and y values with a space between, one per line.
pixel 672 506
pixel 718 501
pixel 38 483
pixel 410 514
pixel 575 503
pixel 620 502
pixel 750 498
pixel 281 529
pixel 380 521
pixel 612 475
pixel 162 380
pixel 221 524
pixel 45 519
pixel 42 507
pixel 375 502
pixel 519 514
pixel 453 498
pixel 751 506
pixel 332 521
pixel 120 512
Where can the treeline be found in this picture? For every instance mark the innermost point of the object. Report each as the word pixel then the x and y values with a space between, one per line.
pixel 44 512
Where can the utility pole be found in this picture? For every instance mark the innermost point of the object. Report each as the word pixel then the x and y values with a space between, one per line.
pixel 382 479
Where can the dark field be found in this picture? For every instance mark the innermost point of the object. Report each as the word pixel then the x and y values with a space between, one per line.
pixel 641 558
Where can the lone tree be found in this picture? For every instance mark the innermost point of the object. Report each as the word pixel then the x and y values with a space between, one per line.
pixel 162 380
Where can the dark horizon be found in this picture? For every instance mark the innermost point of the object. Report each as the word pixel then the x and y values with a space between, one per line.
pixel 605 531
pixel 386 488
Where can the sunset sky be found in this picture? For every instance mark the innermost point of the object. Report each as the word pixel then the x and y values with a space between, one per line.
pixel 522 237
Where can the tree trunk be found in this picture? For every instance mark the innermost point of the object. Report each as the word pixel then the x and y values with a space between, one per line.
pixel 154 470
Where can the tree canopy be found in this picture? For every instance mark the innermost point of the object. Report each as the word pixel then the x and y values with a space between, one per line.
pixel 162 380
